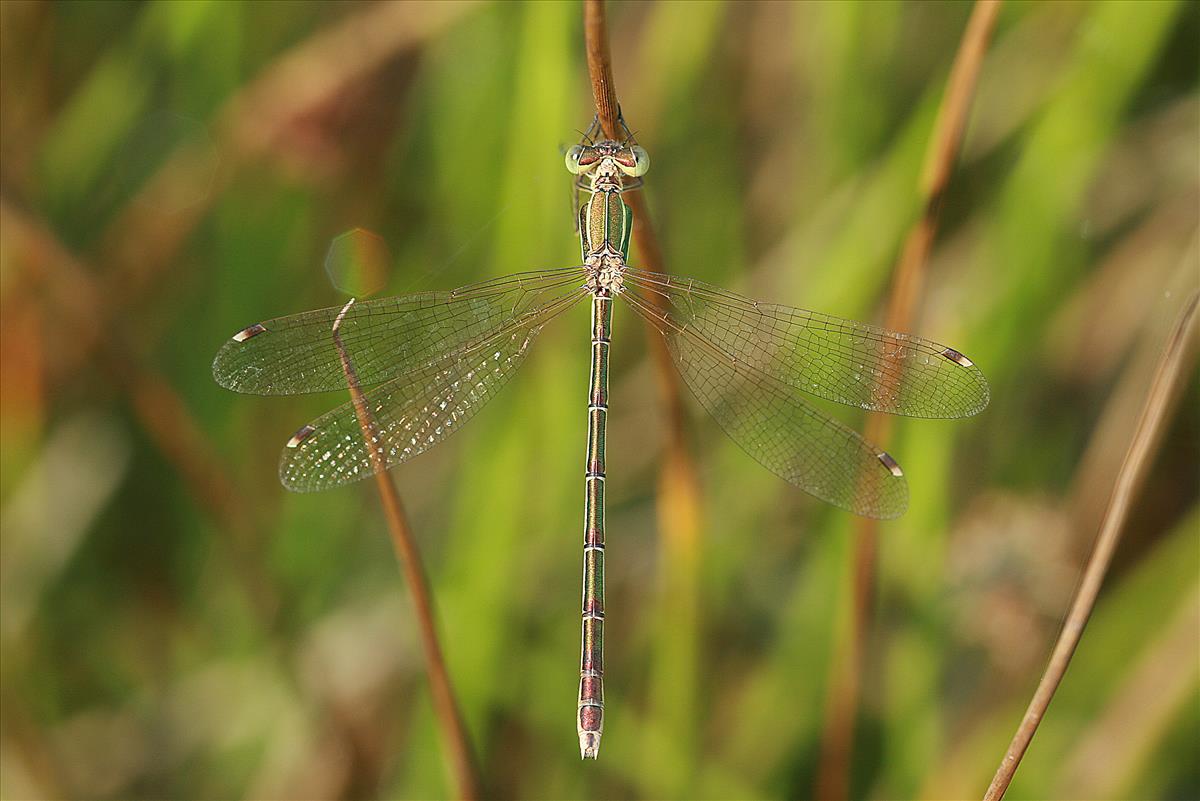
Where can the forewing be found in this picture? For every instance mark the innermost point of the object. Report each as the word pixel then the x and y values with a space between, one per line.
pixel 385 338
pixel 412 412
pixel 798 443
pixel 828 357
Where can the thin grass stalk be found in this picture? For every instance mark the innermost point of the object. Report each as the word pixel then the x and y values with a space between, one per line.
pixel 70 288
pixel 940 156
pixel 1101 458
pixel 445 706
pixel 1156 690
pixel 273 101
pixel 679 518
pixel 1160 399
pixel 599 61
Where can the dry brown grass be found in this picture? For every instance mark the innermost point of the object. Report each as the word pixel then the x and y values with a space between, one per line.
pixel 464 767
pixel 1156 414
pixel 940 156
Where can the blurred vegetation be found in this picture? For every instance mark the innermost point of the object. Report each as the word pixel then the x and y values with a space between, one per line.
pixel 176 625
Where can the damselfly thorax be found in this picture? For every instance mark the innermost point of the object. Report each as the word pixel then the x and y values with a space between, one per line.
pixel 605 222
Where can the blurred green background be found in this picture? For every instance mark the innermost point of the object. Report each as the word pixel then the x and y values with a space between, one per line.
pixel 176 625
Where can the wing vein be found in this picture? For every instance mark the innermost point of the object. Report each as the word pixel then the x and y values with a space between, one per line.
pixel 769 421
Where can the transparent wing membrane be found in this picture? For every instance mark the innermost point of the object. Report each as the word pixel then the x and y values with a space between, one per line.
pixel 415 410
pixel 385 338
pixel 770 422
pixel 828 357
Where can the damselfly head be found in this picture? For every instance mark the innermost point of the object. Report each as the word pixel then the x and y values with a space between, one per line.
pixel 631 160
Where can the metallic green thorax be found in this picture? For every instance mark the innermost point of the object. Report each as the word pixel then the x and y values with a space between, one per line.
pixel 605 220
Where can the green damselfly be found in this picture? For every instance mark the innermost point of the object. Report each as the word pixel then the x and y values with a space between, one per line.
pixel 429 361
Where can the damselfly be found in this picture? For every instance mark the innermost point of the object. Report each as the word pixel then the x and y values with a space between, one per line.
pixel 431 360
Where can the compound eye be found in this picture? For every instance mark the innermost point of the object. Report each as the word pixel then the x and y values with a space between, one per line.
pixel 573 156
pixel 636 162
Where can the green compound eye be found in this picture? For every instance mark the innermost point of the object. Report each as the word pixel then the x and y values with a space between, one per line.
pixel 641 163
pixel 572 159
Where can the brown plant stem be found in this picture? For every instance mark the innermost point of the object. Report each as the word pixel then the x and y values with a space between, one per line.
pixel 454 734
pixel 678 489
pixel 1140 710
pixel 940 155
pixel 68 286
pixel 599 61
pixel 1172 365
pixel 1101 459
pixel 678 457
pixel 152 227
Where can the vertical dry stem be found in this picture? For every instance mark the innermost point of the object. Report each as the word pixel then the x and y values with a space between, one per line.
pixel 1151 423
pixel 845 684
pixel 678 458
pixel 445 706
pixel 679 484
pixel 595 31
pixel 81 307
